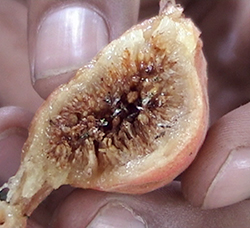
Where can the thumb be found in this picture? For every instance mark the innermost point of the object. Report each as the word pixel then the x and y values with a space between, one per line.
pixel 220 174
pixel 65 35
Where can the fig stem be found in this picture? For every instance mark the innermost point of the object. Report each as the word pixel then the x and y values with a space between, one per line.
pixel 19 208
pixel 16 205
pixel 10 216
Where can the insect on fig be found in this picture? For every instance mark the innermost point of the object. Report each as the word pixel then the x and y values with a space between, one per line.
pixel 130 121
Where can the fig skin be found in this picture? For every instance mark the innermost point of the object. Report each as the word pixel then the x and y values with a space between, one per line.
pixel 41 172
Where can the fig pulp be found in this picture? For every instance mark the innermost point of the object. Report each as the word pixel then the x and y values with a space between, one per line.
pixel 130 121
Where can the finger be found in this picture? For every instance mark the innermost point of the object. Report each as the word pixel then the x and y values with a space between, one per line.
pixel 225 33
pixel 42 216
pixel 235 48
pixel 220 174
pixel 13 132
pixel 65 35
pixel 243 44
pixel 162 208
pixel 15 86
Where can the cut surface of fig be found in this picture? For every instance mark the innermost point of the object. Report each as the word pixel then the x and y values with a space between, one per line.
pixel 130 121
pixel 122 115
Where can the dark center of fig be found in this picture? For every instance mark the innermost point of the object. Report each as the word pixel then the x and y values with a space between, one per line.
pixel 119 118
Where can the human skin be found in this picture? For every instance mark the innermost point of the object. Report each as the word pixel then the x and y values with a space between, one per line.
pixel 225 152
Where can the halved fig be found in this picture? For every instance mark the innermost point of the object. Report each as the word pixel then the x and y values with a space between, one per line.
pixel 130 121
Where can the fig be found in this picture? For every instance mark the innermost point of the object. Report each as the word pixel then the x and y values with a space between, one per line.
pixel 130 121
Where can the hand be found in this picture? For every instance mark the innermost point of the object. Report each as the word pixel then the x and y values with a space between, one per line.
pixel 162 208
pixel 223 164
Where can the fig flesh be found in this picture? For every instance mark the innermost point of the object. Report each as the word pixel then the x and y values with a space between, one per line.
pixel 130 121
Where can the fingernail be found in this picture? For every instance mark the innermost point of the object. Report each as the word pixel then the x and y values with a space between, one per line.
pixel 115 215
pixel 11 143
pixel 67 39
pixel 231 184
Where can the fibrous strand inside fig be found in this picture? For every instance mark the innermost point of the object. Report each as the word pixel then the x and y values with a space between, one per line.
pixel 120 116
